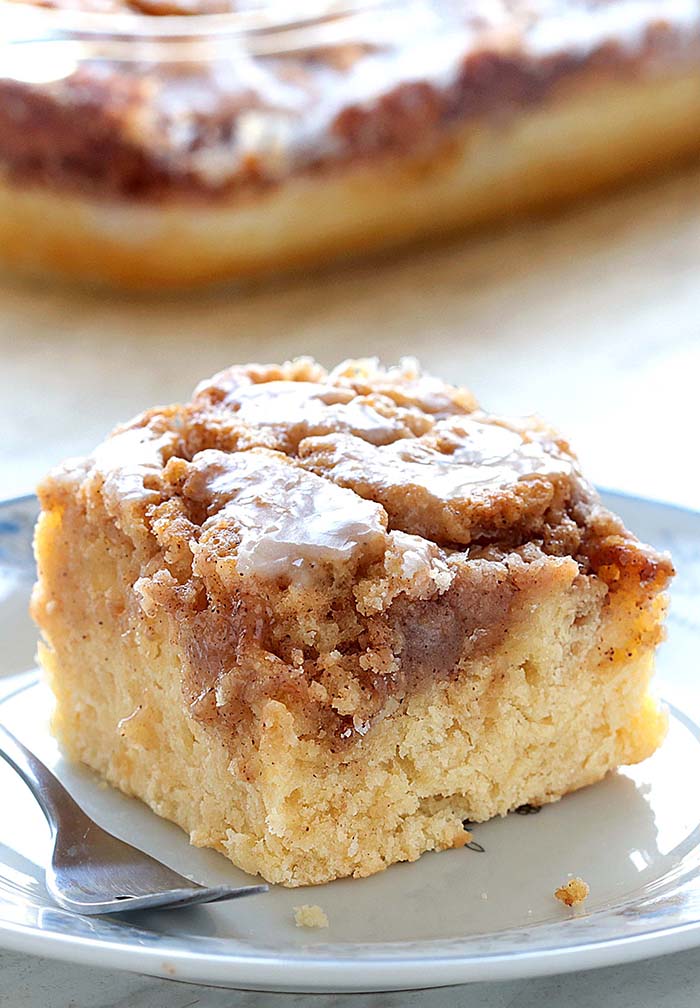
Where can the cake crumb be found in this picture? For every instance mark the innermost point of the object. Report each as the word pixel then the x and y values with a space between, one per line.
pixel 311 916
pixel 573 893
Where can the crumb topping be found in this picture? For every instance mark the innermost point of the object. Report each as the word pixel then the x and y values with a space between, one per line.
pixel 335 540
pixel 464 481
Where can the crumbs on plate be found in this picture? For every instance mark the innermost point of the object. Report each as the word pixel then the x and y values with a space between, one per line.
pixel 311 916
pixel 573 893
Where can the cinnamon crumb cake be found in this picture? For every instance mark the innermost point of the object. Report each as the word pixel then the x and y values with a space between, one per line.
pixel 319 620
pixel 223 141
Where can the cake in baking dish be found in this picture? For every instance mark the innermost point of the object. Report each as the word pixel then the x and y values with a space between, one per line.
pixel 240 152
pixel 319 620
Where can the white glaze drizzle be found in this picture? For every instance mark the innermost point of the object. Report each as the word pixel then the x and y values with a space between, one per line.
pixel 286 519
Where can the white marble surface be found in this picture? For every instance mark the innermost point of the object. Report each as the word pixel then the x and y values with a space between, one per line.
pixel 592 319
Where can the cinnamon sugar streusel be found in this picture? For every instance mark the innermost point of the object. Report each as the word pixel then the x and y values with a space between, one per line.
pixel 353 610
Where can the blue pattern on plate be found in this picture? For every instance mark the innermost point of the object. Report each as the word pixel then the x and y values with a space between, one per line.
pixel 17 518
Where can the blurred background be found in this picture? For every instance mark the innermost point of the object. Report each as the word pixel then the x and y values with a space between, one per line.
pixel 592 319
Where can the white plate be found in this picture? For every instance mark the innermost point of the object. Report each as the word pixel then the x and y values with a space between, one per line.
pixel 447 919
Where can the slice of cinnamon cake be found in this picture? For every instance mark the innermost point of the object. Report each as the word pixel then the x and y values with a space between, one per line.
pixel 320 619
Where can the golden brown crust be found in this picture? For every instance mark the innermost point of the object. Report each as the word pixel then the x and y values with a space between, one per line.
pixel 340 589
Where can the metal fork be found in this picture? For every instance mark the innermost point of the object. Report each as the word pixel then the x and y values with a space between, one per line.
pixel 91 871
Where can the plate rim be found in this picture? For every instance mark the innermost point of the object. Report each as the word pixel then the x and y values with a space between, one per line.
pixel 303 973
pixel 304 970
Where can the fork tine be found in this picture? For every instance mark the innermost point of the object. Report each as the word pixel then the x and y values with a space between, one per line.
pixel 92 871
pixel 171 900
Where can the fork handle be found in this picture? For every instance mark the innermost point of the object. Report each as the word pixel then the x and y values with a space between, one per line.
pixel 53 799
